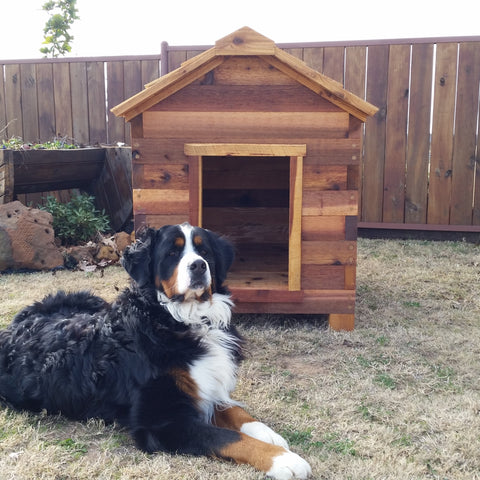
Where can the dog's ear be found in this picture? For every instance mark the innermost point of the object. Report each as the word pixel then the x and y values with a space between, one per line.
pixel 136 258
pixel 224 255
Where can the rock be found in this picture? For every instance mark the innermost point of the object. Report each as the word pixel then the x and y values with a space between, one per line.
pixel 81 253
pixel 27 239
pixel 122 241
pixel 106 252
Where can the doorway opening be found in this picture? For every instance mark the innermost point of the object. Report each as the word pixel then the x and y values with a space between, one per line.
pixel 247 199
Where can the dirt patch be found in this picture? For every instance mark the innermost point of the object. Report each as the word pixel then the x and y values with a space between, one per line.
pixel 301 367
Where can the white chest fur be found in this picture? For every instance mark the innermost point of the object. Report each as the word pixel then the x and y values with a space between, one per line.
pixel 215 312
pixel 215 373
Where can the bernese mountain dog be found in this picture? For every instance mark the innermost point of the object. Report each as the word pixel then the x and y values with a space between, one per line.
pixel 161 360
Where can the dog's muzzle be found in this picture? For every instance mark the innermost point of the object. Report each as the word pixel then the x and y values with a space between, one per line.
pixel 193 275
pixel 198 270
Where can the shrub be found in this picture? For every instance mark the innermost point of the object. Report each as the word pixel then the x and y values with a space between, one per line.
pixel 76 221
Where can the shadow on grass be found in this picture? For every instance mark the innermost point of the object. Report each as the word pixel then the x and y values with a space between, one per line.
pixel 281 320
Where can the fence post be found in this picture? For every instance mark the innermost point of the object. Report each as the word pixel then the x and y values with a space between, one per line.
pixel 163 59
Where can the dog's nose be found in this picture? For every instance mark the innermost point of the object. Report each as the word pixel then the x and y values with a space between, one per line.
pixel 198 267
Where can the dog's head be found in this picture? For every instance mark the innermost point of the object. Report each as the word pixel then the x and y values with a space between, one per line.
pixel 180 262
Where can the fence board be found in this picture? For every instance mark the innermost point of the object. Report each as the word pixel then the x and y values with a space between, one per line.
pixel 418 148
pixel 150 71
pixel 396 133
pixel 374 145
pixel 296 52
pixel 132 83
pixel 476 202
pixel 313 57
pixel 115 95
pixel 28 89
pixel 176 58
pixel 193 53
pixel 355 81
pixel 463 162
pixel 46 102
pixel 440 185
pixel 13 101
pixel 333 62
pixel 96 101
pixel 355 70
pixel 62 98
pixel 3 113
pixel 79 91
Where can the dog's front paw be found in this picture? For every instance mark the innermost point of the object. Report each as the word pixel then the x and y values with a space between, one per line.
pixel 261 432
pixel 289 465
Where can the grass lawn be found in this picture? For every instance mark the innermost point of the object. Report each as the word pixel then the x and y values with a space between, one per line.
pixel 397 398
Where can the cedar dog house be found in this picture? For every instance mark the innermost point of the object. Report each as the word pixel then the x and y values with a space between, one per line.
pixel 246 140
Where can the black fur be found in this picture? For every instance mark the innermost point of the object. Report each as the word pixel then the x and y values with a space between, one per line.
pixel 77 355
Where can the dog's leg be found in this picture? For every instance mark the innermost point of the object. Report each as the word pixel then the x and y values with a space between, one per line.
pixel 274 460
pixel 203 439
pixel 238 419
pixel 169 422
pixel 259 445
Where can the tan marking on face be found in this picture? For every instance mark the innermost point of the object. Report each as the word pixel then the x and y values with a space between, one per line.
pixel 170 285
pixel 179 242
pixel 206 295
pixel 197 240
pixel 253 452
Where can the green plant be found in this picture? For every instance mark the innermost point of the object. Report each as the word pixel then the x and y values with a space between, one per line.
pixel 16 143
pixel 299 438
pixel 76 221
pixel 331 442
pixel 382 340
pixel 76 448
pixel 62 15
pixel 386 381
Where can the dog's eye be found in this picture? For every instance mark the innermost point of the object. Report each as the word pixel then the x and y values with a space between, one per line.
pixel 174 253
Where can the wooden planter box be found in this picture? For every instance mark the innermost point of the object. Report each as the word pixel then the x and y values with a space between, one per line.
pixel 102 172
pixel 246 140
pixel 28 171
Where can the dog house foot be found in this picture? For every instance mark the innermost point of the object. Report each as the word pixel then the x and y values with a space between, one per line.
pixel 339 321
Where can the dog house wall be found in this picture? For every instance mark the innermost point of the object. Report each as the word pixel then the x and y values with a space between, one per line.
pixel 242 105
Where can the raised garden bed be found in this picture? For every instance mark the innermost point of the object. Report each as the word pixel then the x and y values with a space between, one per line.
pixel 104 172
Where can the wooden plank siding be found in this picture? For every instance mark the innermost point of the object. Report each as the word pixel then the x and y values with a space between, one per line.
pixel 419 161
pixel 306 240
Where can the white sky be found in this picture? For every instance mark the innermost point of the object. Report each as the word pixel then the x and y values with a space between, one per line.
pixel 137 27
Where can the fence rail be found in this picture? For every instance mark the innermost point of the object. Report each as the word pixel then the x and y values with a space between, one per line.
pixel 421 155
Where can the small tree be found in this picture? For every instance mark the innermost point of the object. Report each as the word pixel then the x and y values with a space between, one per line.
pixel 62 15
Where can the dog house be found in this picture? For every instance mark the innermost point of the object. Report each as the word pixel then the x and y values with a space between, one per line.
pixel 246 140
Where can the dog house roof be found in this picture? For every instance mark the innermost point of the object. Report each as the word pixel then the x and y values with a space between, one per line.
pixel 247 42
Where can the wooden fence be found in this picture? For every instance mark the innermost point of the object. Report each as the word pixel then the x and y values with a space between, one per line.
pixel 71 98
pixel 421 165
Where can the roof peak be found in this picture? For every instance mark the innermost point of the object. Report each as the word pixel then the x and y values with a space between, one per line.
pixel 245 41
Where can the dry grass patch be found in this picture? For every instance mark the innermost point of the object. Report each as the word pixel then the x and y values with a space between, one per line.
pixel 397 398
